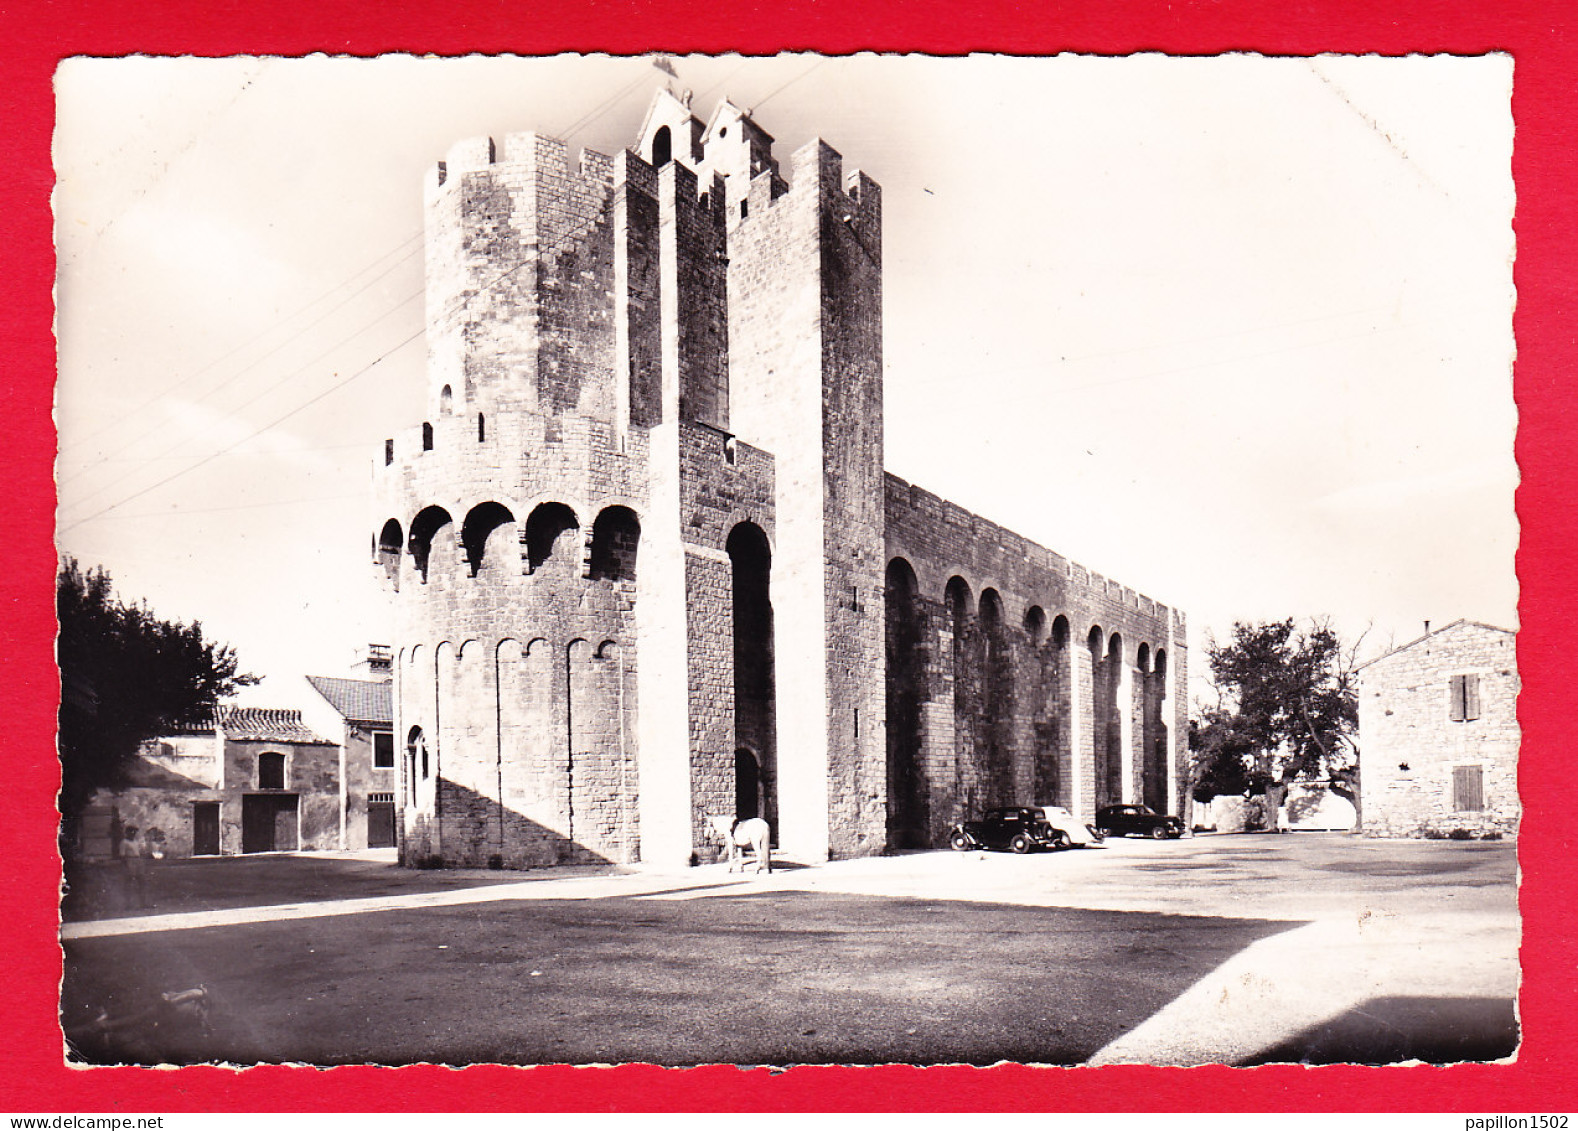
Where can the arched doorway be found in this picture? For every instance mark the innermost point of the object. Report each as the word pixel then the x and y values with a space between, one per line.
pixel 755 685
pixel 996 748
pixel 908 796
pixel 747 786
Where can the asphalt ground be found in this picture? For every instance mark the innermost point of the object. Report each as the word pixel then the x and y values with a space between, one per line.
pixel 1234 949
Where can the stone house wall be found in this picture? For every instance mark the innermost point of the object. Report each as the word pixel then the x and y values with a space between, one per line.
pixel 1416 754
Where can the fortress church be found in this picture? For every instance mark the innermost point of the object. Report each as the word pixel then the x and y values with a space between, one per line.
pixel 645 565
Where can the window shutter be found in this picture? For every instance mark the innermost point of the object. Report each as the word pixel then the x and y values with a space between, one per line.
pixel 1471 697
pixel 1456 704
pixel 1468 791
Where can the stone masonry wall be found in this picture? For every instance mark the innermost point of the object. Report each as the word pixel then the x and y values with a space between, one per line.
pixel 508 666
pixel 1410 745
pixel 723 483
pixel 312 773
pixel 775 383
pixel 850 219
pixel 806 384
pixel 520 262
pixel 1017 707
pixel 598 329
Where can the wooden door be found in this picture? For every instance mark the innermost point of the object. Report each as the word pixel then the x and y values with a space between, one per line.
pixel 205 828
pixel 257 823
pixel 380 820
pixel 285 823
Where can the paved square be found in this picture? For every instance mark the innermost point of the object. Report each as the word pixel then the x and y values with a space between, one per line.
pixel 1235 949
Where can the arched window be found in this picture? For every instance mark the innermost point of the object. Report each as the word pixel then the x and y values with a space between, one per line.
pixel 957 596
pixel 271 770
pixel 1060 632
pixel 415 758
pixel 425 527
pixel 616 536
pixel 547 523
pixel 481 522
pixel 1035 625
pixel 446 401
pixel 390 541
pixel 427 436
pixel 1142 658
pixel 662 148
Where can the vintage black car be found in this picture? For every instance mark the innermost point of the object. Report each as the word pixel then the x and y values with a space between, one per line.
pixel 1137 820
pixel 1017 829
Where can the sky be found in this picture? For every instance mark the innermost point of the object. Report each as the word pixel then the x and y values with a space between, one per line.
pixel 1233 331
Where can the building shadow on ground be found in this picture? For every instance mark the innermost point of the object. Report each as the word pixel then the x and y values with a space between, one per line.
pixel 824 978
pixel 1390 1030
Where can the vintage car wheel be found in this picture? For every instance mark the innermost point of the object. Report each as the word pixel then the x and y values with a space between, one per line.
pixel 1020 844
pixel 959 840
pixel 1159 832
pixel 1060 839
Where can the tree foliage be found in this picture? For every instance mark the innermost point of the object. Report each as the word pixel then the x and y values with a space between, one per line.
pixel 125 675
pixel 1287 711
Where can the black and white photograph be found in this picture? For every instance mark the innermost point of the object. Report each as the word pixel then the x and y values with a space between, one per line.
pixel 787 560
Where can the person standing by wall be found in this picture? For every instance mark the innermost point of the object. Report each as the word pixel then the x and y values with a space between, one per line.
pixel 137 852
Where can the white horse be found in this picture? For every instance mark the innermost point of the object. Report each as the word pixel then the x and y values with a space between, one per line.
pixel 752 833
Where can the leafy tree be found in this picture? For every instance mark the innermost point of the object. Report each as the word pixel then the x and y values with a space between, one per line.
pixel 1287 710
pixel 125 675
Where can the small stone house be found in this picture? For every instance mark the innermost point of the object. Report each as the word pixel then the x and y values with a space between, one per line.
pixel 362 712
pixel 1438 735
pixel 245 779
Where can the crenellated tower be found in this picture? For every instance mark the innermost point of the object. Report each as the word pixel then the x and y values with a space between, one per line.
pixel 627 548
pixel 644 562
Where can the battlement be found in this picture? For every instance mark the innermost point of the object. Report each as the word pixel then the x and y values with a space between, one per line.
pixel 817 168
pixel 529 149
pixel 642 558
pixel 919 509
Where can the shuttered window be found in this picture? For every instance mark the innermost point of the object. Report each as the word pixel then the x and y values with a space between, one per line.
pixel 1468 787
pixel 1464 706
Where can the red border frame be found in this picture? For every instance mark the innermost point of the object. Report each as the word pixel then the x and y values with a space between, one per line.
pixel 37 35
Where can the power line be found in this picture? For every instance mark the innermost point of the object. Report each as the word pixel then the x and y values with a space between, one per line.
pixel 196 137
pixel 421 331
pixel 182 512
pixel 603 107
pixel 598 112
pixel 233 378
pixel 759 103
pixel 289 376
pixel 168 458
pixel 601 214
pixel 276 422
